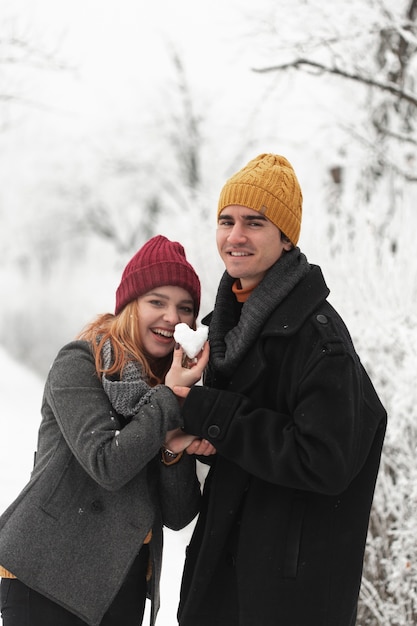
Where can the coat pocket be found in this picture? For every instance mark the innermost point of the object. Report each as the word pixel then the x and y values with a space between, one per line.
pixel 65 484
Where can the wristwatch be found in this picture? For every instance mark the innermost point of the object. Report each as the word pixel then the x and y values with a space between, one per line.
pixel 168 453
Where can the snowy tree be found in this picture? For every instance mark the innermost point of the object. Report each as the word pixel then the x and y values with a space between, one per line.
pixel 370 48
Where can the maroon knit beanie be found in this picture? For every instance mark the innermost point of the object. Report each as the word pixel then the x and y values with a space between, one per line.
pixel 158 263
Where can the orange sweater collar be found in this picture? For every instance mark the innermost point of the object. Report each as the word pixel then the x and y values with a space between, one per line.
pixel 241 294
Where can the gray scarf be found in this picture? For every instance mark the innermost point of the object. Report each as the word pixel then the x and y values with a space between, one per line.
pixel 229 341
pixel 129 393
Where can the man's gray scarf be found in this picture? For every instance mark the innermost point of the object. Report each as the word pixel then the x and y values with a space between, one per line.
pixel 230 342
pixel 131 391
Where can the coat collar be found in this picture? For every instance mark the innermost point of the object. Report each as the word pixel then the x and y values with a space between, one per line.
pixel 291 314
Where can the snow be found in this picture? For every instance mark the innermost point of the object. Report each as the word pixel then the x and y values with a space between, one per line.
pixel 190 340
pixel 21 394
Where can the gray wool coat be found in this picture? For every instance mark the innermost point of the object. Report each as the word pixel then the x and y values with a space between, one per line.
pixel 98 486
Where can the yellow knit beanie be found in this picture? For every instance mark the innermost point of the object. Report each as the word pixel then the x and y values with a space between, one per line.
pixel 267 184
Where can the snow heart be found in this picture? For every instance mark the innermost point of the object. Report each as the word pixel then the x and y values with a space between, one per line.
pixel 190 340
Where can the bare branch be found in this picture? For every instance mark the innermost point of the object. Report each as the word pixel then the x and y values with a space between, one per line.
pixel 366 80
pixel 22 52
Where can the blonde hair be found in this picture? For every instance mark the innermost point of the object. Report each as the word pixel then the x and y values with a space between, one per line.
pixel 123 332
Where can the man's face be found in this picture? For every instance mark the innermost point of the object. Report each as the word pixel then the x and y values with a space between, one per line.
pixel 248 243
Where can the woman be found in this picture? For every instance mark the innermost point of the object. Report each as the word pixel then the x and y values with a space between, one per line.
pixel 82 543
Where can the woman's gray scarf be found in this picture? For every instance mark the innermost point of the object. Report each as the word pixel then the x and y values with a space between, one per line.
pixel 230 342
pixel 131 391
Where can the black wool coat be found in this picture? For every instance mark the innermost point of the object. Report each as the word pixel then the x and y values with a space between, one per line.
pixel 299 429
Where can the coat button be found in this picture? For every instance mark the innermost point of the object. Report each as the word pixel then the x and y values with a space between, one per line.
pixel 97 506
pixel 213 431
pixel 322 319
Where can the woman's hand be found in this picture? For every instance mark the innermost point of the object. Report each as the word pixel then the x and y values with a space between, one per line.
pixel 186 376
pixel 177 440
pixel 181 392
pixel 180 379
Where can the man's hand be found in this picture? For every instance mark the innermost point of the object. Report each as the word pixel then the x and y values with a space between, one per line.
pixel 178 441
pixel 201 447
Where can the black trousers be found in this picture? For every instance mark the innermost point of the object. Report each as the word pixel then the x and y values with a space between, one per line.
pixel 21 606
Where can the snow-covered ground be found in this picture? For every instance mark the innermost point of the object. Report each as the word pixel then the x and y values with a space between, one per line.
pixel 21 395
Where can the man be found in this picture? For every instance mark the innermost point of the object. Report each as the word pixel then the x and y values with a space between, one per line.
pixel 296 422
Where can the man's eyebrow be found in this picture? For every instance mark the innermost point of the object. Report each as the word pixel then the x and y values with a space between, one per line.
pixel 252 217
pixel 248 218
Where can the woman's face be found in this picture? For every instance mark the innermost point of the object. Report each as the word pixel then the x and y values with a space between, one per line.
pixel 159 311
